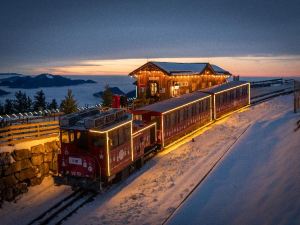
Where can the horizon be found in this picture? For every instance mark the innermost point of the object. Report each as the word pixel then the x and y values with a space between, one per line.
pixel 114 38
pixel 288 66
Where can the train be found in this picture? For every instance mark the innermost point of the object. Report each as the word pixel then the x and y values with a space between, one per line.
pixel 101 146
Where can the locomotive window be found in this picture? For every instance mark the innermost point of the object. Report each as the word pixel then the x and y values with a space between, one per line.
pixel 71 136
pixel 78 134
pixel 99 140
pixel 82 139
pixel 64 136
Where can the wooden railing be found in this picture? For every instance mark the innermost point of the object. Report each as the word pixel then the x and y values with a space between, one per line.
pixel 14 134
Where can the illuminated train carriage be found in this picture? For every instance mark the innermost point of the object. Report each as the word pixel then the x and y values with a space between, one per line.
pixel 97 147
pixel 229 97
pixel 178 116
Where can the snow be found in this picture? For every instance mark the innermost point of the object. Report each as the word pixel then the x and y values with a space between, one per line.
pixel 49 76
pixel 191 68
pixel 256 183
pixel 36 201
pixel 153 193
pixel 27 144
pixel 259 181
pixel 171 67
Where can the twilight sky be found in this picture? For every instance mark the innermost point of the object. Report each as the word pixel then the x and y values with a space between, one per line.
pixel 114 37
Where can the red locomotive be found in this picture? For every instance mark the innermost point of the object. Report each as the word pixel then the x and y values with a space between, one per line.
pixel 98 146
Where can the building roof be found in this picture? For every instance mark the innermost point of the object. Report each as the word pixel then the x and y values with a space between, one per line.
pixel 225 86
pixel 219 70
pixel 172 103
pixel 173 68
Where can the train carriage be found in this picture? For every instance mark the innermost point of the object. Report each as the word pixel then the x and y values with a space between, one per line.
pixel 178 116
pixel 100 146
pixel 229 97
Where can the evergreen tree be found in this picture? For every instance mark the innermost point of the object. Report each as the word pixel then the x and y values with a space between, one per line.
pixel 69 104
pixel 20 102
pixel 107 96
pixel 39 101
pixel 28 104
pixel 123 101
pixel 9 106
pixel 1 109
pixel 53 104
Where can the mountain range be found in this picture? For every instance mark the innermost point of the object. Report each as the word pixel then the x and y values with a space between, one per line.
pixel 39 81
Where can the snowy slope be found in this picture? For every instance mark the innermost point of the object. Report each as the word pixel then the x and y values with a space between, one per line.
pixel 258 175
pixel 258 183
pixel 160 186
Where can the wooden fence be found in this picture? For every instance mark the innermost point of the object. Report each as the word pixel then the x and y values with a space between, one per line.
pixel 14 134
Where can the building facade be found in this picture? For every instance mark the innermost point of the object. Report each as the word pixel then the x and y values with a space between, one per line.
pixel 157 81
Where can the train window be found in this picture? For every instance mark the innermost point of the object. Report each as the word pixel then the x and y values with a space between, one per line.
pixel 78 134
pixel 181 117
pixel 98 140
pixel 71 136
pixel 127 131
pixel 64 136
pixel 197 108
pixel 122 135
pixel 115 138
pixel 82 139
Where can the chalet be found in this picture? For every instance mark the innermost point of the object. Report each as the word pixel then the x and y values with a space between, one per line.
pixel 162 80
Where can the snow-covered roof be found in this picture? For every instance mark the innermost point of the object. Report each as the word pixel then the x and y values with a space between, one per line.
pixel 225 86
pixel 174 68
pixel 219 70
pixel 169 104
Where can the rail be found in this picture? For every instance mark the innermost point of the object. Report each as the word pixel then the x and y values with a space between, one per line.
pixel 15 134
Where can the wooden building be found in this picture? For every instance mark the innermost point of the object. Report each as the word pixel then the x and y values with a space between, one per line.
pixel 157 81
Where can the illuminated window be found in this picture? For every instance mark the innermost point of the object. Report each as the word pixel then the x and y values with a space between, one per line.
pixel 153 88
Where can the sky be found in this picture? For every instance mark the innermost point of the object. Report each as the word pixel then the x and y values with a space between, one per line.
pixel 92 37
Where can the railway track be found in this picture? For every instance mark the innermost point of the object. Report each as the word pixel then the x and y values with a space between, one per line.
pixel 64 208
pixel 265 97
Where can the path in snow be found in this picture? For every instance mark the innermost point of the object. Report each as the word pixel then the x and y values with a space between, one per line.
pixel 152 194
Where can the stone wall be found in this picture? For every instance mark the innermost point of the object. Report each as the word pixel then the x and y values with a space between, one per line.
pixel 22 168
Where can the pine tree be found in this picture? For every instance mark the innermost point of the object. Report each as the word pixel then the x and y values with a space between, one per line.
pixel 28 104
pixel 123 101
pixel 20 102
pixel 1 109
pixel 9 106
pixel 69 104
pixel 53 104
pixel 39 101
pixel 107 96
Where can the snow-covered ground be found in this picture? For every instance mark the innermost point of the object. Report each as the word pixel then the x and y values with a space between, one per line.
pixel 152 194
pixel 258 182
pixel 36 201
